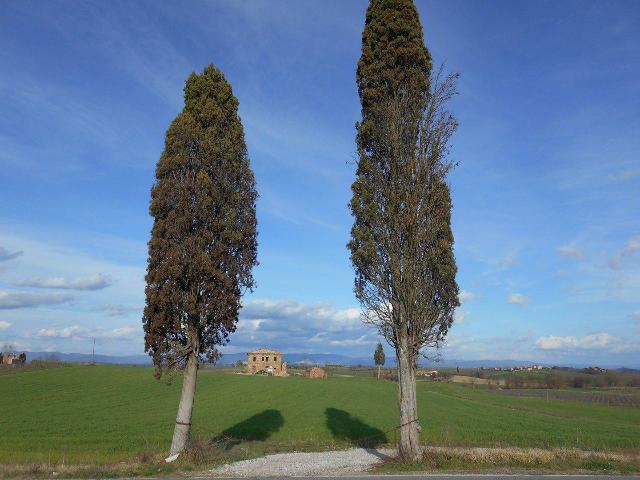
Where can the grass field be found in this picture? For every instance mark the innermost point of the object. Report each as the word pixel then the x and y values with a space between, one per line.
pixel 106 414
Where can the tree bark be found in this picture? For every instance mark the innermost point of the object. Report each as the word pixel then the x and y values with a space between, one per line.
pixel 409 446
pixel 183 419
pixel 378 372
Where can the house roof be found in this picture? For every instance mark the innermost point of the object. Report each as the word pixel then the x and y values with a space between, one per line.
pixel 264 350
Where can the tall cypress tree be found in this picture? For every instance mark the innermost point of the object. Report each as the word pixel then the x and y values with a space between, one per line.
pixel 379 357
pixel 402 243
pixel 203 241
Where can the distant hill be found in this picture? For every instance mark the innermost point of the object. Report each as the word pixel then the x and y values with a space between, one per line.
pixel 87 357
pixel 306 359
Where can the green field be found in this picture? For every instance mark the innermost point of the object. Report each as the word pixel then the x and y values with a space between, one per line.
pixel 106 414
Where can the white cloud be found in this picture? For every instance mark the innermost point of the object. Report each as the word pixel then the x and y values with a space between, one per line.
pixel 12 300
pixel 93 282
pixel 66 254
pixel 570 251
pixel 466 296
pixel 66 332
pixel 636 314
pixel 298 327
pixel 517 299
pixel 123 332
pixel 312 316
pixel 4 325
pixel 593 341
pixel 77 332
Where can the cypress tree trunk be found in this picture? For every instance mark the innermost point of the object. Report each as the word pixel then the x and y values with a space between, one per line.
pixel 409 445
pixel 185 408
pixel 378 372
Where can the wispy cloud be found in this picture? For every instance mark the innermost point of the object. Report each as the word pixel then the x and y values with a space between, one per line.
pixel 466 296
pixel 517 299
pixel 630 250
pixel 4 325
pixel 508 261
pixel 624 176
pixel 116 310
pixel 5 255
pixel 636 314
pixel 570 251
pixel 93 282
pixel 14 300
pixel 459 316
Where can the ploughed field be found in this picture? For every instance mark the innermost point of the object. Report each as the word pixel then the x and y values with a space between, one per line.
pixel 105 414
pixel 605 397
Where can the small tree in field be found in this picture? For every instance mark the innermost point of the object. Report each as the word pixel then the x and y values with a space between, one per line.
pixel 203 242
pixel 401 240
pixel 379 357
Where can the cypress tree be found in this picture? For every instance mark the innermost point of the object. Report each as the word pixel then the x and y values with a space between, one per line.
pixel 401 240
pixel 379 357
pixel 203 241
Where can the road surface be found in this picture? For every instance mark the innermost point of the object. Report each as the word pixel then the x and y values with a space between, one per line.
pixel 436 476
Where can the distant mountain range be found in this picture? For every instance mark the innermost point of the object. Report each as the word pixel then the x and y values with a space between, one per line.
pixel 300 358
pixel 87 357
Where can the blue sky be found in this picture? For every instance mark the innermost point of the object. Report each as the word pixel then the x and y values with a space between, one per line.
pixel 546 194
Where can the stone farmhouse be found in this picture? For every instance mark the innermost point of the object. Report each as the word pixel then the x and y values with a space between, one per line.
pixel 316 372
pixel 267 361
pixel 12 359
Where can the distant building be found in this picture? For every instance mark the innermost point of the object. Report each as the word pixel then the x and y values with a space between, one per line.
pixel 267 361
pixel 12 359
pixel 316 372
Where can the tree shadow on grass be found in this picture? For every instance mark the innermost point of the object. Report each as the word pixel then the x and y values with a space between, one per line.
pixel 345 427
pixel 258 427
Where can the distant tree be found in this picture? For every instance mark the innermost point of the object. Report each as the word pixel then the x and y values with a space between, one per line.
pixel 379 357
pixel 203 241
pixel 401 240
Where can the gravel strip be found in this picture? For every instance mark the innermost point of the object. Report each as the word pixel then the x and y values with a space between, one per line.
pixel 340 462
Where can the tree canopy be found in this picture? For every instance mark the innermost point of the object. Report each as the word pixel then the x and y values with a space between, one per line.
pixel 203 242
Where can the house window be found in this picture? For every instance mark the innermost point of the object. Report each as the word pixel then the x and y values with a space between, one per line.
pixel 275 359
pixel 254 359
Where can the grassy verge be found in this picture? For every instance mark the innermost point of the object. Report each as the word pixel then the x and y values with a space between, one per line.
pixel 202 456
pixel 514 460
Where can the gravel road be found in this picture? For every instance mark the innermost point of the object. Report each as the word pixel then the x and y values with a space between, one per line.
pixel 356 460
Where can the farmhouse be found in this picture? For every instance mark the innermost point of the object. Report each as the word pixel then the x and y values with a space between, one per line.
pixel 267 361
pixel 316 372
pixel 12 359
